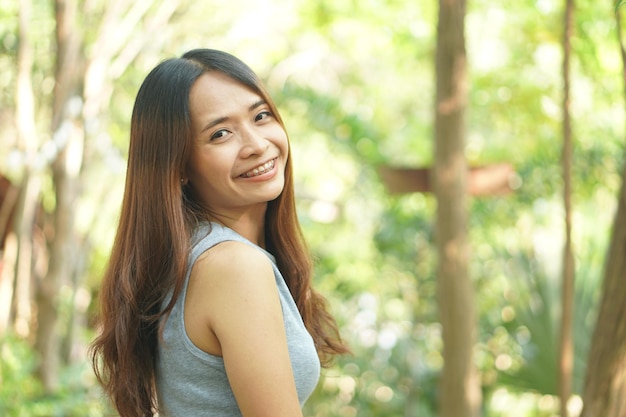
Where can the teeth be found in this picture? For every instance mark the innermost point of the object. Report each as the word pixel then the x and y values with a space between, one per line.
pixel 260 169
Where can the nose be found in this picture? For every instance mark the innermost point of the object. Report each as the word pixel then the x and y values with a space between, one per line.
pixel 253 142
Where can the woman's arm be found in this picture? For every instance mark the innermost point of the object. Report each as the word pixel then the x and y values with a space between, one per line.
pixel 233 309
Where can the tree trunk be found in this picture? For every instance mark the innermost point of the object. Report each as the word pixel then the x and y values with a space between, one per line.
pixel 604 393
pixel 459 393
pixel 28 195
pixel 68 133
pixel 7 284
pixel 566 347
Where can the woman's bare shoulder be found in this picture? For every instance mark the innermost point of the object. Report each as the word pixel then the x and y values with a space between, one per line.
pixel 232 259
pixel 230 281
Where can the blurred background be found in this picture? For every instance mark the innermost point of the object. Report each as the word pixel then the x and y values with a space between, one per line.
pixel 355 82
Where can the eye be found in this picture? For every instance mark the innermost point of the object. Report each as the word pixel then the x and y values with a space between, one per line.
pixel 219 134
pixel 263 115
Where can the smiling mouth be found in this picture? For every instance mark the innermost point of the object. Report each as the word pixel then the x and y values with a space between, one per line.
pixel 260 170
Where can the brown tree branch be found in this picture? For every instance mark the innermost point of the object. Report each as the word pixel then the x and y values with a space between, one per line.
pixel 566 348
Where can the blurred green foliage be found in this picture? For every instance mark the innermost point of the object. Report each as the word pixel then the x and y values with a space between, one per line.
pixel 21 394
pixel 355 86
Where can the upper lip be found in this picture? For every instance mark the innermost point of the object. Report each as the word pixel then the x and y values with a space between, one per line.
pixel 256 166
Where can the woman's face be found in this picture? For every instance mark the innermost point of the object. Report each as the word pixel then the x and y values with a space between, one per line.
pixel 240 150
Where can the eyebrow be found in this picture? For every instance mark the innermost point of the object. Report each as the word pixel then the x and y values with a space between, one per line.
pixel 219 120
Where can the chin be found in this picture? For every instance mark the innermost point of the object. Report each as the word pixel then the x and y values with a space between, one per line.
pixel 275 195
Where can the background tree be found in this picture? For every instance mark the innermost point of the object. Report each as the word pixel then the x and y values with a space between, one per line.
pixel 566 347
pixel 82 75
pixel 20 245
pixel 604 392
pixel 69 137
pixel 459 389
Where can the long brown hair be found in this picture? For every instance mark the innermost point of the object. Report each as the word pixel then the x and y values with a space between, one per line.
pixel 158 215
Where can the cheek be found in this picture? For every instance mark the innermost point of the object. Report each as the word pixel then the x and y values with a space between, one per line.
pixel 283 144
pixel 195 171
pixel 201 170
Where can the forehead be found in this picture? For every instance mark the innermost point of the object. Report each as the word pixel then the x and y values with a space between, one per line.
pixel 217 92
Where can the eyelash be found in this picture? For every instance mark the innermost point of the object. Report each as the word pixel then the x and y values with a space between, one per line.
pixel 218 134
pixel 259 117
pixel 265 113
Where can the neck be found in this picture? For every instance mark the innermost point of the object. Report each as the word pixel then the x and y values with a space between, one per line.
pixel 249 224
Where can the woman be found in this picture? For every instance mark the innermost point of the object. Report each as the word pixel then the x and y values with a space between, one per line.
pixel 207 306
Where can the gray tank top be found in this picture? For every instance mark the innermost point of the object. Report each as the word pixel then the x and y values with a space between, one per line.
pixel 191 382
